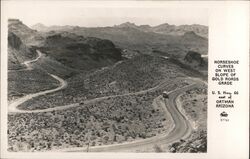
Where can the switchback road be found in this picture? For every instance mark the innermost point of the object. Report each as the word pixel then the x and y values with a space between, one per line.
pixel 181 130
pixel 12 108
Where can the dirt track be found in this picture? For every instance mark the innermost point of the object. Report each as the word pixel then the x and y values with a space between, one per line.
pixel 12 108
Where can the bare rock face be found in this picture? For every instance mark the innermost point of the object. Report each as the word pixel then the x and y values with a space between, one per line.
pixel 14 41
pixel 18 52
pixel 20 29
pixel 27 35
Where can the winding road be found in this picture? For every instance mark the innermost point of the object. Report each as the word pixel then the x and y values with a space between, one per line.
pixel 181 130
pixel 27 63
pixel 12 108
pixel 63 84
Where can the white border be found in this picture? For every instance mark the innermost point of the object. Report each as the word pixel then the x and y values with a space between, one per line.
pixel 228 39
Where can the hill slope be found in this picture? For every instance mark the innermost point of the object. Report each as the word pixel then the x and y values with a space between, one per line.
pixel 66 50
pixel 168 29
pixel 18 52
pixel 26 34
pixel 80 53
pixel 133 75
pixel 144 38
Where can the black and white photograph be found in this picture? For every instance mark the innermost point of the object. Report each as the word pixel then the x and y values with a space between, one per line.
pixel 121 78
pixel 108 80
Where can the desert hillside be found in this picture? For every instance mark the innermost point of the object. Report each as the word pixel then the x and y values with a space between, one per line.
pixel 124 88
pixel 145 38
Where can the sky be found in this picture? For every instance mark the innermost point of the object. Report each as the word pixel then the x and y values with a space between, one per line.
pixel 104 14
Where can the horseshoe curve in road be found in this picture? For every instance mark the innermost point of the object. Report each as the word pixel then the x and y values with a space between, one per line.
pixel 181 129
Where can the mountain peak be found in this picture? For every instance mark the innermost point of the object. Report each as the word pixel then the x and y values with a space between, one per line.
pixel 127 24
pixel 39 24
pixel 39 27
pixel 163 25
pixel 190 33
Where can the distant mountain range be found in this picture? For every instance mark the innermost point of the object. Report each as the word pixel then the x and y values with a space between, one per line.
pixel 169 39
pixel 80 48
pixel 165 28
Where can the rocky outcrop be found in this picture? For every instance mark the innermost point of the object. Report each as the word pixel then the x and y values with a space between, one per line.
pixel 14 41
pixel 194 58
pixel 18 52
pixel 196 143
pixel 80 52
pixel 27 35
